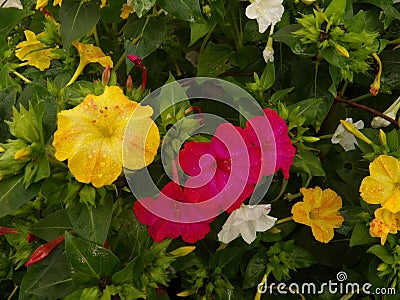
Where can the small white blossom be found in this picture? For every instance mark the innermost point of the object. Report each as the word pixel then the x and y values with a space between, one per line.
pixel 266 12
pixel 11 3
pixel 268 54
pixel 246 221
pixel 391 112
pixel 344 138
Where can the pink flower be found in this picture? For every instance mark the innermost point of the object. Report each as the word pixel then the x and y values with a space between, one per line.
pixel 284 150
pixel 161 228
pixel 224 170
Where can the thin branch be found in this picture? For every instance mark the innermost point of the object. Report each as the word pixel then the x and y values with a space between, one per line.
pixel 366 108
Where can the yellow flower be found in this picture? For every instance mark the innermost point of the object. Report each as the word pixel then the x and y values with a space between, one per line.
pixel 385 222
pixel 320 210
pixel 42 3
pixel 89 54
pixel 91 137
pixel 126 11
pixel 35 52
pixel 383 184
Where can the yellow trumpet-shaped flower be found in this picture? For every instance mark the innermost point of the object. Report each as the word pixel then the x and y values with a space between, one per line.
pixel 89 53
pixel 385 222
pixel 35 52
pixel 383 184
pixel 93 134
pixel 320 211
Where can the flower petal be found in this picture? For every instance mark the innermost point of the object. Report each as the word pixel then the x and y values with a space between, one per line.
pixel 376 191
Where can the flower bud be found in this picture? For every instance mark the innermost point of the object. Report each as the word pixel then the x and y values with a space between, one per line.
pixel 105 78
pixel 182 251
pixel 357 133
pixel 382 267
pixel 2 149
pixel 342 51
pixel 382 137
pixel 310 139
pixel 129 84
pixel 23 154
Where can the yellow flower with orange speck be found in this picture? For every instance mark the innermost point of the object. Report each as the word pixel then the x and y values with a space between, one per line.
pixel 383 184
pixel 319 210
pixel 91 136
pixel 385 222
pixel 89 53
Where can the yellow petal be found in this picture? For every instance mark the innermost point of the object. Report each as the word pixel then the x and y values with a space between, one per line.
pixel 379 229
pixel 126 11
pixel 91 54
pixel 322 234
pixel 312 196
pixel 388 218
pixel 386 168
pixel 301 213
pixel 331 200
pixel 41 4
pixel 34 52
pixel 393 203
pixel 376 191
pixel 91 134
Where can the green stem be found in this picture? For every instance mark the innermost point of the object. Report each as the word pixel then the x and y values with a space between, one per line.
pixel 13 293
pixel 282 191
pixel 344 88
pixel 96 36
pixel 207 37
pixel 396 41
pixel 287 219
pixel 325 137
pixel 26 80
pixel 120 61
pixel 362 97
pixel 291 197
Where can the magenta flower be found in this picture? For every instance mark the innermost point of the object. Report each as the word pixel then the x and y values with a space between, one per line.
pixel 284 150
pixel 224 170
pixel 161 228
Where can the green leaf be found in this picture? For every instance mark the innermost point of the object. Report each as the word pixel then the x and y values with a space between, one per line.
pixel 302 257
pixel 228 260
pixel 46 108
pixel 50 278
pixel 255 270
pixel 148 34
pixel 337 7
pixel 306 161
pixel 13 194
pixel 8 97
pixel 197 31
pixel 314 110
pixel 52 225
pixel 143 6
pixel 360 235
pixel 91 223
pixel 214 60
pixel 381 252
pixel 77 18
pixel 387 6
pixel 186 10
pixel 131 273
pixel 267 78
pixel 88 261
pixel 10 17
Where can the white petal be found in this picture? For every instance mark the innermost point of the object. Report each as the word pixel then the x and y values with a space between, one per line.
pixel 11 3
pixel 228 235
pixel 248 233
pixel 251 11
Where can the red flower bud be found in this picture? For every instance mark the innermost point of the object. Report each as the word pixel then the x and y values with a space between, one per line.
pixel 129 84
pixel 105 78
pixel 31 238
pixel 6 230
pixel 136 60
pixel 43 251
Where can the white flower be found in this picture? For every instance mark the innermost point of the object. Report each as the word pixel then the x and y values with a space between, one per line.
pixel 266 12
pixel 344 138
pixel 268 54
pixel 391 112
pixel 246 221
pixel 11 3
